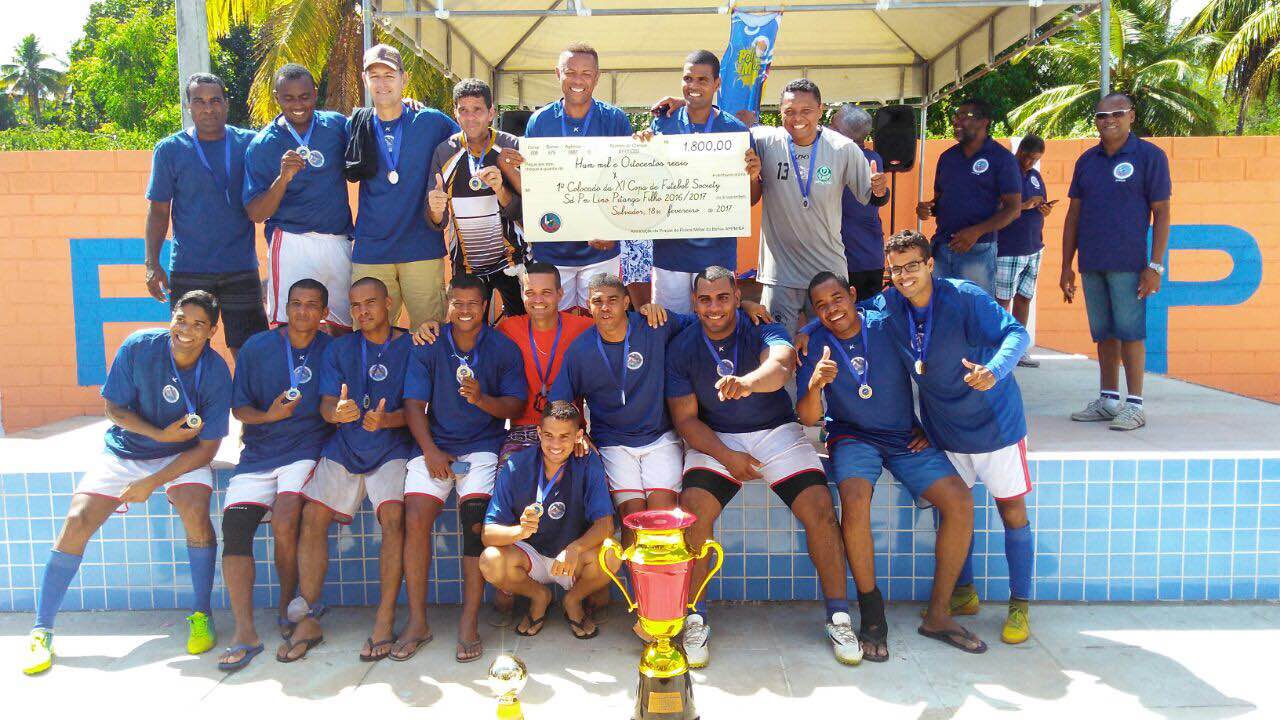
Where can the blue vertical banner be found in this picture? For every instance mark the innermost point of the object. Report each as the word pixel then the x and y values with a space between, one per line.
pixel 746 61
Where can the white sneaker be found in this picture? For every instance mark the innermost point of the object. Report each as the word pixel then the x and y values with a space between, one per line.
pixel 844 641
pixel 1095 411
pixel 696 634
pixel 1130 417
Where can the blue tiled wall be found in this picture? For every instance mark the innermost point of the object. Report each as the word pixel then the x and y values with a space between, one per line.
pixel 1177 529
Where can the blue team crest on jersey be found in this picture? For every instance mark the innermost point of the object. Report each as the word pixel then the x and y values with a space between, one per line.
pixel 170 394
pixel 1123 171
pixel 550 222
pixel 980 166
pixel 1035 183
pixel 556 510
pixel 822 175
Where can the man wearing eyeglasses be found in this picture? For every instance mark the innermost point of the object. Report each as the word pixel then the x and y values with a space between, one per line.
pixel 1119 191
pixel 977 191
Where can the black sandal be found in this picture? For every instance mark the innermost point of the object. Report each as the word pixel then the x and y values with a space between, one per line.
pixel 874 627
pixel 875 634
pixel 374 646
pixel 530 632
pixel 577 625
pixel 954 639
pixel 290 644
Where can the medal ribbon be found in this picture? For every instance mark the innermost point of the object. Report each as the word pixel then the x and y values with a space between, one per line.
pixel 807 182
pixel 177 378
pixel 551 361
pixel 288 353
pixel 621 382
pixel 392 156
pixel 226 147
pixel 364 362
pixel 686 125
pixel 866 351
pixel 474 163
pixel 586 121
pixel 465 359
pixel 302 141
pixel 920 348
pixel 715 356
pixel 544 486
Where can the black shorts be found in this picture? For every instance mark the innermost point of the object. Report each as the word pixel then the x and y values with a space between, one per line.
pixel 867 283
pixel 239 297
pixel 508 288
pixel 725 489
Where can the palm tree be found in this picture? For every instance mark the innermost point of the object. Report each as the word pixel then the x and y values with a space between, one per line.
pixel 26 75
pixel 325 36
pixel 1148 62
pixel 1249 61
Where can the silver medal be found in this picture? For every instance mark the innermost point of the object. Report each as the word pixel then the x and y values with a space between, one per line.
pixel 194 421
pixel 366 402
pixel 724 368
pixel 304 152
pixel 292 394
pixel 393 177
pixel 635 360
pixel 919 367
pixel 378 372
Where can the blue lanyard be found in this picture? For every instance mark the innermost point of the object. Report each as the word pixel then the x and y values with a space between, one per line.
pixel 226 147
pixel 392 155
pixel 364 365
pixel 586 121
pixel 302 141
pixel 288 353
pixel 866 351
pixel 686 126
pixel 545 487
pixel 920 346
pixel 807 182
pixel 467 358
pixel 621 382
pixel 543 378
pixel 476 164
pixel 177 378
pixel 715 356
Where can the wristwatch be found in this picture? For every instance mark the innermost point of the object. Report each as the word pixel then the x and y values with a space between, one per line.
pixel 1157 267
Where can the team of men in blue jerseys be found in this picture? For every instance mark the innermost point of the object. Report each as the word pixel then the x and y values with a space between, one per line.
pixel 687 397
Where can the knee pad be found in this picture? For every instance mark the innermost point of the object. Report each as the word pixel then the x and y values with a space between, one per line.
pixel 471 518
pixel 239 523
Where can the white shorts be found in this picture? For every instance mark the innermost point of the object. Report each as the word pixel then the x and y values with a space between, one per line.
pixel 112 474
pixel 319 256
pixel 1003 471
pixel 634 472
pixel 540 567
pixel 784 451
pixel 476 483
pixel 575 278
pixel 673 290
pixel 342 492
pixel 261 488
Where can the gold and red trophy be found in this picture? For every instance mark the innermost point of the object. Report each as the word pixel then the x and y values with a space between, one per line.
pixel 661 564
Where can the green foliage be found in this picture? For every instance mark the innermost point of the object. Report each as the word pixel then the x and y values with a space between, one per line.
pixel 61 138
pixel 27 75
pixel 8 113
pixel 235 61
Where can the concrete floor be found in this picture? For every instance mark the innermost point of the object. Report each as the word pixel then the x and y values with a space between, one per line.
pixel 1084 661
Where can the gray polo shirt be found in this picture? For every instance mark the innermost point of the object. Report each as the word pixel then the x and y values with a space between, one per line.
pixel 798 242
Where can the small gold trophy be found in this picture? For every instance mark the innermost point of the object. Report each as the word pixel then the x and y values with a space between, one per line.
pixel 660 563
pixel 507 677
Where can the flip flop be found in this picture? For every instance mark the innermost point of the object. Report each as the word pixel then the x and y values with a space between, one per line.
pixel 469 647
pixel 374 646
pixel 954 637
pixel 311 644
pixel 576 625
pixel 250 652
pixel 417 645
pixel 530 632
pixel 286 627
pixel 877 634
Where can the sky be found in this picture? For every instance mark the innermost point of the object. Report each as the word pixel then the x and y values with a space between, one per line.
pixel 58 23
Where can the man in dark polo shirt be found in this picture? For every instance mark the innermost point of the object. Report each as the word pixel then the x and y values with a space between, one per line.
pixel 1119 191
pixel 860 226
pixel 976 193
pixel 1021 243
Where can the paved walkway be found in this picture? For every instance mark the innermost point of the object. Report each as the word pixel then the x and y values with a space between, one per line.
pixel 1091 662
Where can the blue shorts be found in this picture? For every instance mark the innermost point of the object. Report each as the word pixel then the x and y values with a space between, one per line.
pixel 978 265
pixel 917 471
pixel 1114 309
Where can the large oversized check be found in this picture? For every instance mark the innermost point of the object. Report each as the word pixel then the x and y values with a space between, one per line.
pixel 674 186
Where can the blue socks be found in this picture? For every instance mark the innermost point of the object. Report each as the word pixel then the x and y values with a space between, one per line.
pixel 202 560
pixel 1020 551
pixel 58 573
pixel 836 605
pixel 966 570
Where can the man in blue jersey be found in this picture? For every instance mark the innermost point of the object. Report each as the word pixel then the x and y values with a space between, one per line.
pixel 361 392
pixel 853 369
pixel 1021 243
pixel 167 396
pixel 675 262
pixel 578 114
pixel 860 227
pixel 459 392
pixel 725 380
pixel 392 240
pixel 962 348
pixel 294 183
pixel 197 177
pixel 276 396
pixel 976 193
pixel 548 517
pixel 1120 192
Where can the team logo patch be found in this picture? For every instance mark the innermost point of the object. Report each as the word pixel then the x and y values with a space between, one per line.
pixel 302 374
pixel 980 166
pixel 378 372
pixel 169 393
pixel 550 222
pixel 1123 171
pixel 635 361
pixel 822 175
pixel 1035 183
pixel 556 510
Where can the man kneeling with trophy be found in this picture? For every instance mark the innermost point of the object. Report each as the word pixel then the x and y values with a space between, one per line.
pixel 548 517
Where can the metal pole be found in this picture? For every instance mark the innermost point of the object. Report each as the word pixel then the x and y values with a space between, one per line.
pixel 366 15
pixel 1104 70
pixel 193 47
pixel 924 134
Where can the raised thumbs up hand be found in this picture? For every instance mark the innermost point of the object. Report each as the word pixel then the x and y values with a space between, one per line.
pixel 346 410
pixel 825 371
pixel 879 181
pixel 373 419
pixel 437 198
pixel 979 376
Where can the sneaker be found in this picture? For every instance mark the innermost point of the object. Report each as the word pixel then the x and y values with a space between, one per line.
pixel 39 655
pixel 1028 361
pixel 1130 417
pixel 1017 627
pixel 696 634
pixel 844 641
pixel 200 635
pixel 1095 411
pixel 964 601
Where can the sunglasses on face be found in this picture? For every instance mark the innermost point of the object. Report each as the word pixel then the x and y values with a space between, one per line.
pixel 1117 114
pixel 963 114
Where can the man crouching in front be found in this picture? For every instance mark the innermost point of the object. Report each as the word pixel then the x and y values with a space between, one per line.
pixel 549 514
